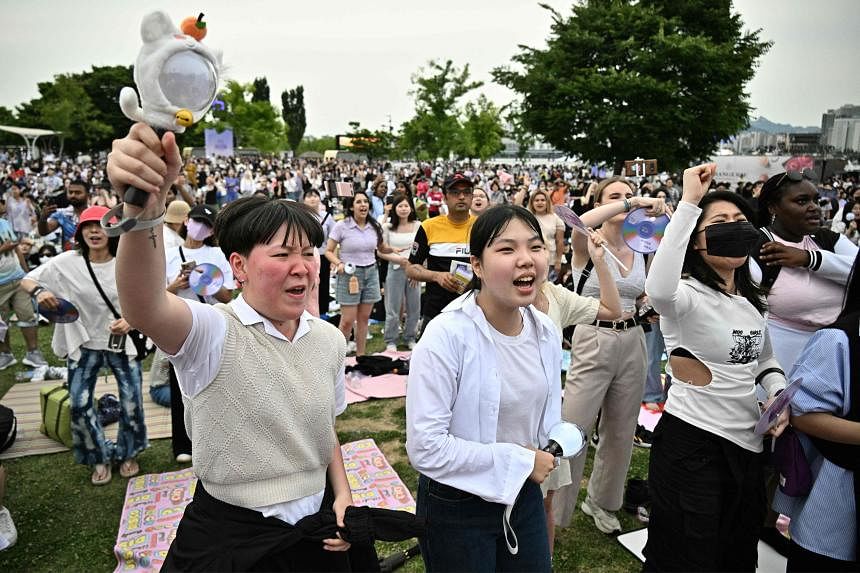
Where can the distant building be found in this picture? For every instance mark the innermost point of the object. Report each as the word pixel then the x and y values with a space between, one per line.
pixel 845 134
pixel 839 128
pixel 804 142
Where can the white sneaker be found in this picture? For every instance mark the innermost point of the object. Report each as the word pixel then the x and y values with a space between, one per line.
pixel 35 359
pixel 411 344
pixel 604 520
pixel 369 335
pixel 391 348
pixel 7 360
pixel 350 346
pixel 183 458
pixel 8 533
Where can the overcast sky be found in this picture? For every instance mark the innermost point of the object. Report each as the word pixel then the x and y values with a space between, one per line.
pixel 355 58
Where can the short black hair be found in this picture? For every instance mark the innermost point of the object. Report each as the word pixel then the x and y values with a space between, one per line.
pixel 696 267
pixel 490 224
pixel 80 182
pixel 251 221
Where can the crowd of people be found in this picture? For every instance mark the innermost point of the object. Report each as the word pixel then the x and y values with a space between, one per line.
pixel 752 287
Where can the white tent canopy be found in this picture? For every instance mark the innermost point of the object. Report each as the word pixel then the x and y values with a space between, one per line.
pixel 30 135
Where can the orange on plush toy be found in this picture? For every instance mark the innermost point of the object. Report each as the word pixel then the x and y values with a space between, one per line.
pixel 194 27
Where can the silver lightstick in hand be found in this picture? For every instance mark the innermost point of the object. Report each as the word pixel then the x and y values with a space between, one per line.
pixel 177 79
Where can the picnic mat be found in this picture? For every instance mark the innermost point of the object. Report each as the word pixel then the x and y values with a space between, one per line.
pixel 769 561
pixel 154 504
pixel 360 387
pixel 23 398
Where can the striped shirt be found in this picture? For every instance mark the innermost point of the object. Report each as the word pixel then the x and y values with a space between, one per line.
pixel 438 242
pixel 824 521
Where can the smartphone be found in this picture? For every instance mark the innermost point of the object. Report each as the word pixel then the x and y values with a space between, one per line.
pixel 116 342
pixel 188 266
pixel 59 199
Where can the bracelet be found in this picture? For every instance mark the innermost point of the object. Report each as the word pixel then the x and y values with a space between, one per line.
pixel 35 292
pixel 128 224
pixel 627 206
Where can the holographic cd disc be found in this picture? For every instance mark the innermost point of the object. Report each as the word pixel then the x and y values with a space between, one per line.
pixel 65 312
pixel 206 279
pixel 642 232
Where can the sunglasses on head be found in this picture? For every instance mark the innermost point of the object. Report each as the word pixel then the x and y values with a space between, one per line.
pixel 796 177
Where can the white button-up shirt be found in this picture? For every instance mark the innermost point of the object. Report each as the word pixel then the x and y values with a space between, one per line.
pixel 452 403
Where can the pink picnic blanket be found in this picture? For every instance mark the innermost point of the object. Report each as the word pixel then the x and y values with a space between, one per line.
pixel 360 387
pixel 154 504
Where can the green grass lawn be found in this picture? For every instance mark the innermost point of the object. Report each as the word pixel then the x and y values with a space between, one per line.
pixel 66 524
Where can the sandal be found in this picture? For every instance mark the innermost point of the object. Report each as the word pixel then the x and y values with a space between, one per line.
pixel 655 407
pixel 101 474
pixel 129 468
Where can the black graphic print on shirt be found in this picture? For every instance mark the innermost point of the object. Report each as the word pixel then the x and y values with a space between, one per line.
pixel 746 346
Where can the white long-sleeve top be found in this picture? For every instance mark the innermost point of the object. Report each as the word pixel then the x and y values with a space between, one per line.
pixel 452 403
pixel 725 332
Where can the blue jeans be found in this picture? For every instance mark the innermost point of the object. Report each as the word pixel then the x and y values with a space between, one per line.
pixel 465 532
pixel 396 289
pixel 160 395
pixel 89 443
pixel 654 390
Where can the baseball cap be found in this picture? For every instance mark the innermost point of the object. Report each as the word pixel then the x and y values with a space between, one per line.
pixel 457 180
pixel 204 212
pixel 177 211
pixel 94 213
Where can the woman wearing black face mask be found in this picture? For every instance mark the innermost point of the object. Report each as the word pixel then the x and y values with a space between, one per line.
pixel 804 267
pixel 705 473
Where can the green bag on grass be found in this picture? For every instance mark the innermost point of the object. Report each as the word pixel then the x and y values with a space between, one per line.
pixel 56 413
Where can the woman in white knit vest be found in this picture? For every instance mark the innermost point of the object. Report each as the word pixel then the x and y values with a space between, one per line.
pixel 262 380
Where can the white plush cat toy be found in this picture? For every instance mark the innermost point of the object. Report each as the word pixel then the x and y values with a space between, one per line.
pixel 176 74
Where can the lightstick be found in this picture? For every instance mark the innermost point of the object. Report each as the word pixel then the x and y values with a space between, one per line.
pixel 177 79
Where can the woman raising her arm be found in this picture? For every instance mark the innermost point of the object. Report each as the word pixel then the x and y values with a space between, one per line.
pixel 705 472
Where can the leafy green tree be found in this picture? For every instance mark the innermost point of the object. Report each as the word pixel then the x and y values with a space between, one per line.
pixel 517 130
pixel 373 144
pixel 260 90
pixel 63 105
pixel 318 144
pixel 482 130
pixel 7 117
pixel 254 123
pixel 435 131
pixel 618 79
pixel 293 112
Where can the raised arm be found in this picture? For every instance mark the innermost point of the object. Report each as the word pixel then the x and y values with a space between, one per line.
pixel 142 160
pixel 665 274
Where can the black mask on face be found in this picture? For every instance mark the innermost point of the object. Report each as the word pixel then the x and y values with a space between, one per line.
pixel 730 239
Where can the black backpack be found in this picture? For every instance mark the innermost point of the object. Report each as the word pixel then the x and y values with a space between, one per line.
pixel 8 428
pixel 375 365
pixel 824 238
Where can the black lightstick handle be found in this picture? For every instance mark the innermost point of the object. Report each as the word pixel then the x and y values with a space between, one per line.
pixel 135 196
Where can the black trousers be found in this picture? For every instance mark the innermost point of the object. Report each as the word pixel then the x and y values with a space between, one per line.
pixel 802 560
pixel 181 441
pixel 217 536
pixel 707 501
pixel 325 276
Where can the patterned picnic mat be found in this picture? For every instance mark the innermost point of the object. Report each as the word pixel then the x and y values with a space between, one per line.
pixel 154 504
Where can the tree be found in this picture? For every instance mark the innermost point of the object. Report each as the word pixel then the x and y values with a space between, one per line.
pixel 373 144
pixel 7 117
pixel 482 130
pixel 318 144
pixel 293 112
pixel 435 131
pixel 260 91
pixel 84 106
pixel 625 78
pixel 517 130
pixel 254 123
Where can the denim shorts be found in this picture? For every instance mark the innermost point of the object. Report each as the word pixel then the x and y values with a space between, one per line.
pixel 368 287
